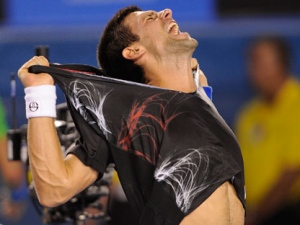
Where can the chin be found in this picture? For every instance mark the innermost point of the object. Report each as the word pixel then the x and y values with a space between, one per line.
pixel 191 43
pixel 182 45
pixel 195 42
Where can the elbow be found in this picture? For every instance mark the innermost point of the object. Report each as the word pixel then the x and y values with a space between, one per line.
pixel 50 201
pixel 52 198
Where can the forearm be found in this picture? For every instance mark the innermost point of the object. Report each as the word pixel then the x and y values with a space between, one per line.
pixel 47 164
pixel 56 179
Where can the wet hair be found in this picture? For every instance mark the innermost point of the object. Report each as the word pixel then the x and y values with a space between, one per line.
pixel 280 46
pixel 116 37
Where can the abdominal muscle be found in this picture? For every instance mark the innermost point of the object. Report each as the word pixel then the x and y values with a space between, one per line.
pixel 222 207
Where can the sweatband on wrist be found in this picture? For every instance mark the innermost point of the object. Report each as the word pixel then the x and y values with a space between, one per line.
pixel 208 90
pixel 40 101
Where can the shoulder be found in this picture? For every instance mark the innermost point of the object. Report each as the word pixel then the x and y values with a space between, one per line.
pixel 294 85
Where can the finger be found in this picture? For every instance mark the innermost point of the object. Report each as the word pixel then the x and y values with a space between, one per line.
pixel 194 64
pixel 202 78
pixel 43 61
pixel 39 60
pixel 33 61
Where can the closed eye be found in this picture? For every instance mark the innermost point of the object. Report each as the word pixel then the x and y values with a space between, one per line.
pixel 151 16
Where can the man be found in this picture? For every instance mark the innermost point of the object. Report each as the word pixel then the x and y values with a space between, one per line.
pixel 12 174
pixel 170 173
pixel 268 131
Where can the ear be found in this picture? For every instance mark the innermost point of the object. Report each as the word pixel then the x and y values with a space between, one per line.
pixel 133 52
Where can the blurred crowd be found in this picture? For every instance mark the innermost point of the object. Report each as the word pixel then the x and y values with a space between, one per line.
pixel 268 130
pixel 13 190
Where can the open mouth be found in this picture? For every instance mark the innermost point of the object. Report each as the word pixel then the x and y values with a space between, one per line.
pixel 173 28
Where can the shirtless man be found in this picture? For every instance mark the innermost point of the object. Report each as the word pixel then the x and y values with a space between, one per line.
pixel 159 54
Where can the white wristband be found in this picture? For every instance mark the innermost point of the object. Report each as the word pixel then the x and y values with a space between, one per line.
pixel 40 101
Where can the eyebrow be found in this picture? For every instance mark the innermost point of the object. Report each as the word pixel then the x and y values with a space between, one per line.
pixel 149 13
pixel 145 14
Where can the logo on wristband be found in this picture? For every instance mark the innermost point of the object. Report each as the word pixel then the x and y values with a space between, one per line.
pixel 33 106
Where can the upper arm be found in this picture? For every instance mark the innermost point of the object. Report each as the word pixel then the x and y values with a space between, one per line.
pixel 80 175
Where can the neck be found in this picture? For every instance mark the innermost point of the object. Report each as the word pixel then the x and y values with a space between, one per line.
pixel 171 73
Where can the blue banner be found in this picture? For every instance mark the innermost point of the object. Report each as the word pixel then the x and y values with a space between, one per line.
pixel 82 12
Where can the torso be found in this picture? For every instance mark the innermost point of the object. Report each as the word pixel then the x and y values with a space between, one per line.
pixel 221 208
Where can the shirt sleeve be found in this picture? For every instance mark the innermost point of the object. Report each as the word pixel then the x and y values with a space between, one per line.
pixel 91 148
pixel 96 157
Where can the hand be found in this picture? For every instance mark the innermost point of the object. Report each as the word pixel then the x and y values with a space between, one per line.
pixel 30 79
pixel 13 210
pixel 202 78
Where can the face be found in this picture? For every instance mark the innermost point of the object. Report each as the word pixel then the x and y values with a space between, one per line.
pixel 159 32
pixel 265 69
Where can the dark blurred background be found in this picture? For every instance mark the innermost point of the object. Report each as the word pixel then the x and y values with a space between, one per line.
pixel 258 7
pixel 71 29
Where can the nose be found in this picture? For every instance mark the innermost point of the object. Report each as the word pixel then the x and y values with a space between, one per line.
pixel 167 13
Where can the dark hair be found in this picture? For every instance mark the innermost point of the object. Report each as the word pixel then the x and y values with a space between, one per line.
pixel 280 46
pixel 115 38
